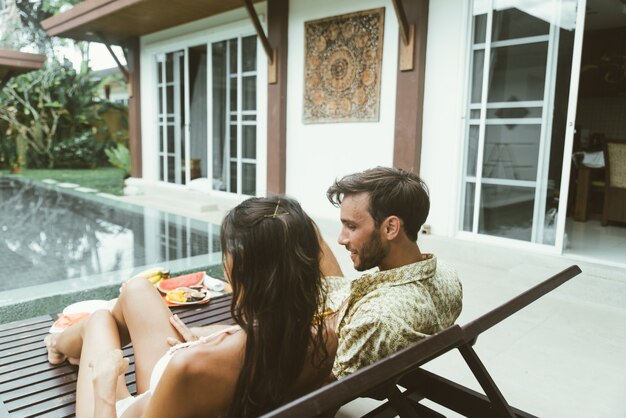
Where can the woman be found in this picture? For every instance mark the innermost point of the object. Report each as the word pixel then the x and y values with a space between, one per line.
pixel 279 349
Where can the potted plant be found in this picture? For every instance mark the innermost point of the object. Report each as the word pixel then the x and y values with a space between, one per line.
pixel 16 166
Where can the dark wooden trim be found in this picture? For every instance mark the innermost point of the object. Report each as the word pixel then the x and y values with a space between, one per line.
pixel 13 63
pixel 376 377
pixel 278 28
pixel 498 403
pixel 121 67
pixel 134 106
pixel 124 19
pixel 407 150
pixel 254 17
pixel 20 61
pixel 402 21
pixel 267 47
pixel 458 398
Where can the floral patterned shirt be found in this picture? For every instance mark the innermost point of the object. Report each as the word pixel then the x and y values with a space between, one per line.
pixel 383 312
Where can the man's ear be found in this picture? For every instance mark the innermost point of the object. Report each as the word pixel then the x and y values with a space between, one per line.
pixel 392 227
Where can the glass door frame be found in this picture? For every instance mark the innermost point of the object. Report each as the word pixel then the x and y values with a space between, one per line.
pixel 239 114
pixel 570 124
pixel 546 124
pixel 150 125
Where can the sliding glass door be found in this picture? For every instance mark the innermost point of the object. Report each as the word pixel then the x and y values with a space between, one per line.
pixel 170 117
pixel 234 117
pixel 207 114
pixel 517 117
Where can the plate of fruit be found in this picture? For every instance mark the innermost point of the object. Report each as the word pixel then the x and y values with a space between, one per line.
pixel 188 295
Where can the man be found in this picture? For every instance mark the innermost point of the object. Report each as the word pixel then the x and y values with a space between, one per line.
pixel 412 295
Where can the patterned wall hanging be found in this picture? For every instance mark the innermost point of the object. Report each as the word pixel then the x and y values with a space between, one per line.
pixel 342 67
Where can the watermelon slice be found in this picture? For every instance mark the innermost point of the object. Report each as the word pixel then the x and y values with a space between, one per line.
pixel 187 280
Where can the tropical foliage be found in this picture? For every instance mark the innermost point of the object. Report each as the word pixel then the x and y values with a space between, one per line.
pixel 53 117
pixel 119 157
pixel 49 115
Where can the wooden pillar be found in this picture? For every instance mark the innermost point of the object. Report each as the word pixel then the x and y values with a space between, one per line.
pixel 277 25
pixel 134 106
pixel 407 149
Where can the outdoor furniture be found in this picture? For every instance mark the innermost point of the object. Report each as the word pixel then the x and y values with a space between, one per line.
pixel 30 386
pixel 380 380
pixel 615 187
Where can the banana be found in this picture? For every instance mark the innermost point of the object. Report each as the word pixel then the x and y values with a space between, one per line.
pixel 154 275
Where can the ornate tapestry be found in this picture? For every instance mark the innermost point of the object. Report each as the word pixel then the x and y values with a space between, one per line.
pixel 342 67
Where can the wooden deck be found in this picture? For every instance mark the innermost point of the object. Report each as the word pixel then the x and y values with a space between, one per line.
pixel 30 386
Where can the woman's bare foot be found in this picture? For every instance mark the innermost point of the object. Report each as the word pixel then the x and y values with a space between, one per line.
pixel 55 356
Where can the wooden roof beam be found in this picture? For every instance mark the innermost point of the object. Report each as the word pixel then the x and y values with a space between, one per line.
pixel 407 30
pixel 121 66
pixel 269 51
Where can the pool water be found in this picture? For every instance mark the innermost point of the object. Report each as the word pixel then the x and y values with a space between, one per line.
pixel 49 234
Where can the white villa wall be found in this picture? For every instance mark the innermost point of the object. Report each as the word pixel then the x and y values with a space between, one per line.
pixel 319 153
pixel 444 98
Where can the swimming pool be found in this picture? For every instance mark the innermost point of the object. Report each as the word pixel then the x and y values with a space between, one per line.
pixel 55 240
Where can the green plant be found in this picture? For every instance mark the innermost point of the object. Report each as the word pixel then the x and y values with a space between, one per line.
pixel 19 162
pixel 119 157
pixel 82 151
pixel 42 107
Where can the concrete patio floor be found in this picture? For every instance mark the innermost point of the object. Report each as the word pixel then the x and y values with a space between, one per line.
pixel 562 356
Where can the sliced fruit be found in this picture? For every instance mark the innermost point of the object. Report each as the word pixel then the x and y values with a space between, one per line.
pixel 186 295
pixel 176 295
pixel 154 275
pixel 187 280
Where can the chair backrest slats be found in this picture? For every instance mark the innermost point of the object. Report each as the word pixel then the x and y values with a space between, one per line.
pixel 372 377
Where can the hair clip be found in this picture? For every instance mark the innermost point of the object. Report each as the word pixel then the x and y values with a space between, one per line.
pixel 273 215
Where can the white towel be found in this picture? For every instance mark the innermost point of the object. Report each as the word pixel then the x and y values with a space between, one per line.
pixel 594 159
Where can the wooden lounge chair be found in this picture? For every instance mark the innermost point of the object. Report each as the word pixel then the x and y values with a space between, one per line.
pixel 380 380
pixel 30 386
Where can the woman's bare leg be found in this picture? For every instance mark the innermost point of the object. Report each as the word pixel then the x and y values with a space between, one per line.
pixel 142 317
pixel 98 335
pixel 66 345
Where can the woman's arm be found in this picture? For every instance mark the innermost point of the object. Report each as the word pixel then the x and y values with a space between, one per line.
pixel 193 333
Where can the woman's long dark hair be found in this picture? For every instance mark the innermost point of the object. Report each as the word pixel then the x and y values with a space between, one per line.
pixel 277 291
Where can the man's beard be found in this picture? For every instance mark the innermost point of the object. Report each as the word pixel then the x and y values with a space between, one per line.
pixel 372 254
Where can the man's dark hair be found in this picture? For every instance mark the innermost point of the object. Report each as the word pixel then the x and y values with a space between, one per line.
pixel 392 192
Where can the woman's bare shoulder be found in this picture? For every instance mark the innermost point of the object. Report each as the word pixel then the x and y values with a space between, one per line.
pixel 214 358
pixel 200 378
